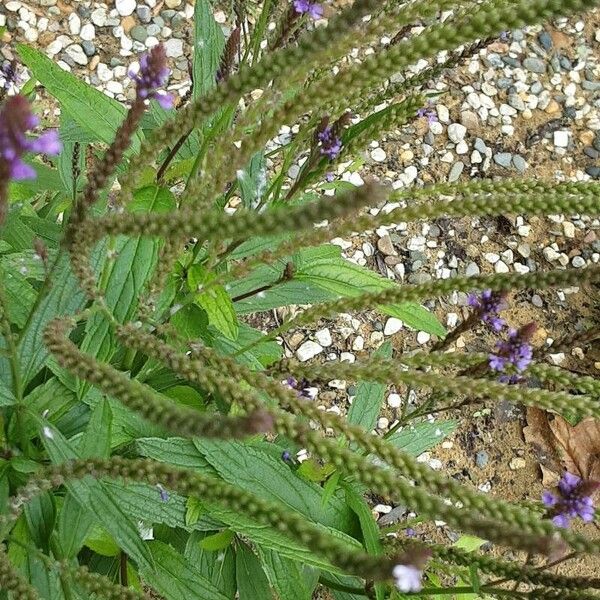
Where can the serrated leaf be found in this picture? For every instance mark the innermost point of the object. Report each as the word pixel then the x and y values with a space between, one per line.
pixel 20 297
pixel 215 301
pixel 369 396
pixel 209 42
pixel 179 452
pixel 291 579
pixel 259 356
pixel 252 582
pixel 101 542
pixel 418 438
pixel 74 523
pixel 175 579
pixel 96 441
pixel 40 513
pixel 96 113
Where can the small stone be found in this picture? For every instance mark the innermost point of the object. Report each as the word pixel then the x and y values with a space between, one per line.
pixel 99 17
pixel 492 257
pixel 173 3
pixel 385 246
pixel 358 344
pixel 472 270
pixel 578 262
pixel 423 337
pixel 537 301
pixel 524 250
pixel 88 32
pixel 125 7
pixel 138 33
pixel 593 172
pixel 561 138
pixel 76 53
pixel 517 463
pixel 394 401
pixel 535 65
pixel 392 326
pixel 569 229
pixel 481 459
pixel 501 267
pixel 308 350
pixel 144 13
pixel 550 254
pixel 455 171
pixel 174 48
pixel 90 50
pixel 378 155
pixel 520 163
pixel 503 159
pixel 545 40
pixel 324 337
pixel 456 132
pixel 469 119
pixel 74 23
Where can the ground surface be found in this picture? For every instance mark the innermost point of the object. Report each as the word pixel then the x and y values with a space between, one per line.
pixel 526 106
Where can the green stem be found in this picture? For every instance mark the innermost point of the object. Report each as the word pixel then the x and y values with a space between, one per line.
pixel 258 33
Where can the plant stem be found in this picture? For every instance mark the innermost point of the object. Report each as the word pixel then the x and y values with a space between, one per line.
pixel 124 579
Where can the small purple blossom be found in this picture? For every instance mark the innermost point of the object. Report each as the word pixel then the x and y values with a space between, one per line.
pixel 410 532
pixel 407 578
pixel 574 500
pixel 329 177
pixel 312 9
pixel 9 77
pixel 164 495
pixel 516 351
pixel 504 36
pixel 331 144
pixel 16 120
pixel 299 386
pixel 152 75
pixel 286 456
pixel 488 305
pixel 427 111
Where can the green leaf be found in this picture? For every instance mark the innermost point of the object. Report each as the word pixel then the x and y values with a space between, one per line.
pixel 369 529
pixel 217 541
pixel 20 297
pixel 252 181
pixel 174 579
pixel 65 298
pixel 65 158
pixel 252 582
pixel 215 301
pixel 97 114
pixel 179 452
pixel 92 494
pixel 101 542
pixel 469 543
pixel 369 396
pixel 418 438
pixel 96 441
pixel 193 511
pixel 268 477
pixel 74 523
pixel 209 43
pixel 259 356
pixel 40 513
pixel 27 263
pixel 218 567
pixel 291 579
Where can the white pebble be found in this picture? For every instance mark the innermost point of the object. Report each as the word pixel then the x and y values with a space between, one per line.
pixel 324 337
pixel 394 401
pixel 392 326
pixel 456 132
pixel 378 155
pixel 308 350
pixel 423 337
pixel 561 138
pixel 125 7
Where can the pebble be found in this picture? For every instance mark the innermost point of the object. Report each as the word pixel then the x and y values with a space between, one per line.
pixel 392 326
pixel 423 337
pixel 394 401
pixel 308 350
pixel 569 229
pixel 561 139
pixel 501 267
pixel 481 459
pixel 472 269
pixel 535 65
pixel 578 262
pixel 520 163
pixel 125 7
pixel 378 155
pixel 385 246
pixel 456 132
pixel 88 32
pixel 76 53
pixel 99 17
pixel 139 33
pixel 323 336
pixel 517 463
pixel 174 48
pixel 503 159
pixel 455 171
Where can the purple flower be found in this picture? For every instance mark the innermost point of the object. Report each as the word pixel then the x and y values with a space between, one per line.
pixel 331 144
pixel 407 578
pixel 313 9
pixel 488 305
pixel 427 111
pixel 286 456
pixel 8 75
pixel 574 500
pixel 516 351
pixel 300 386
pixel 410 532
pixel 16 119
pixel 152 75
pixel 329 177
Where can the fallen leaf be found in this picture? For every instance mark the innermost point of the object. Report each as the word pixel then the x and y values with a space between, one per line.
pixel 560 446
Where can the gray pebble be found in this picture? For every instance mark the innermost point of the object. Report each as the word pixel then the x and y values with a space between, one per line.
pixel 593 172
pixel 565 63
pixel 88 48
pixel 596 142
pixel 472 269
pixel 545 40
pixel 455 171
pixel 518 35
pixel 535 65
pixel 481 458
pixel 419 278
pixel 536 300
pixel 591 152
pixel 590 86
pixel 511 61
pixel 503 159
pixel 503 83
pixel 138 33
pixel 520 163
pixel 480 145
pixel 153 29
pixel 536 88
pixel 144 13
pixel 351 389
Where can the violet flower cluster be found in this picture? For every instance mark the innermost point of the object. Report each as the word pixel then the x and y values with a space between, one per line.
pixel 427 111
pixel 331 144
pixel 16 120
pixel 300 386
pixel 516 351
pixel 574 500
pixel 488 305
pixel 153 75
pixel 312 9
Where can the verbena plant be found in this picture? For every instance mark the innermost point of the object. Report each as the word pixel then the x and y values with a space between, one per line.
pixel 149 434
